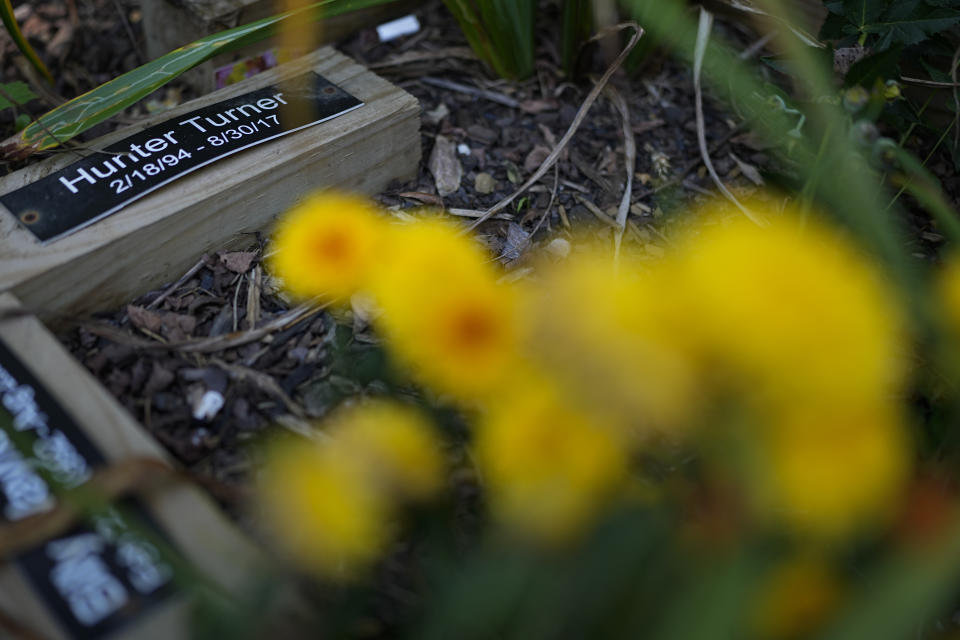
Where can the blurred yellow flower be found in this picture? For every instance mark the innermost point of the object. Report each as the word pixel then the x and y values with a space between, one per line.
pixel 797 599
pixel 323 509
pixel 611 340
pixel 394 443
pixel 797 312
pixel 830 474
pixel 550 471
pixel 326 245
pixel 444 314
pixel 949 290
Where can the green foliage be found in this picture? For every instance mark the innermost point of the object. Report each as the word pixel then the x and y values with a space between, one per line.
pixel 15 94
pixel 577 29
pixel 10 22
pixel 76 116
pixel 876 67
pixel 881 24
pixel 500 33
pixel 903 590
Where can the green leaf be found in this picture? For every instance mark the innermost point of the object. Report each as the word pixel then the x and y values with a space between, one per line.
pixel 881 24
pixel 500 32
pixel 901 25
pixel 902 592
pixel 838 27
pixel 576 30
pixel 76 116
pixel 882 65
pixel 862 12
pixel 10 22
pixel 18 92
pixel 480 595
pixel 714 604
pixel 622 567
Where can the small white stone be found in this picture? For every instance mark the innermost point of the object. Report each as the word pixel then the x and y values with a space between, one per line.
pixel 404 26
pixel 208 406
pixel 463 149
pixel 434 116
pixel 559 248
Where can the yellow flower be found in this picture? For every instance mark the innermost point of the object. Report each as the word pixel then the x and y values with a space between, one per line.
pixel 611 340
pixel 326 245
pixel 949 289
pixel 323 509
pixel 395 445
pixel 797 313
pixel 550 471
pixel 443 313
pixel 832 473
pixel 798 598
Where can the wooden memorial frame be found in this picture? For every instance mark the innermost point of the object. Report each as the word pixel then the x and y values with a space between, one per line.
pixel 158 237
pixel 151 241
pixel 195 525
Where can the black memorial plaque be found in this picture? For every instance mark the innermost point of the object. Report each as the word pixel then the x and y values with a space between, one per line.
pixel 108 180
pixel 103 574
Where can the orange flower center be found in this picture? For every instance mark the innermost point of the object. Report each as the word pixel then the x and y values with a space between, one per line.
pixel 473 328
pixel 332 246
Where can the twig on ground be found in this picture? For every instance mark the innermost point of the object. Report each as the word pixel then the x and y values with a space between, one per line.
pixel 687 184
pixel 209 345
pixel 179 283
pixel 253 297
pixel 424 56
pixel 597 211
pixel 757 46
pixel 703 37
pixel 472 213
pixel 493 96
pixel 236 302
pixel 265 383
pixel 589 172
pixel 630 163
pixel 576 186
pixel 577 121
pixel 933 84
pixel 553 197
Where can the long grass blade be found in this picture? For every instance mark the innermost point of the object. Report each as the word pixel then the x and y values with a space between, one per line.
pixel 576 30
pixel 500 33
pixel 10 22
pixel 72 118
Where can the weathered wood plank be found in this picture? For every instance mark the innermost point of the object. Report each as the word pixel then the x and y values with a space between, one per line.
pixel 194 524
pixel 158 237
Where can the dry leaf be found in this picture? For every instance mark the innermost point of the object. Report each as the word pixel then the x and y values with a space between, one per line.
pixel 535 158
pixel 445 166
pixel 538 106
pixel 237 261
pixel 516 242
pixel 422 197
pixel 173 326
